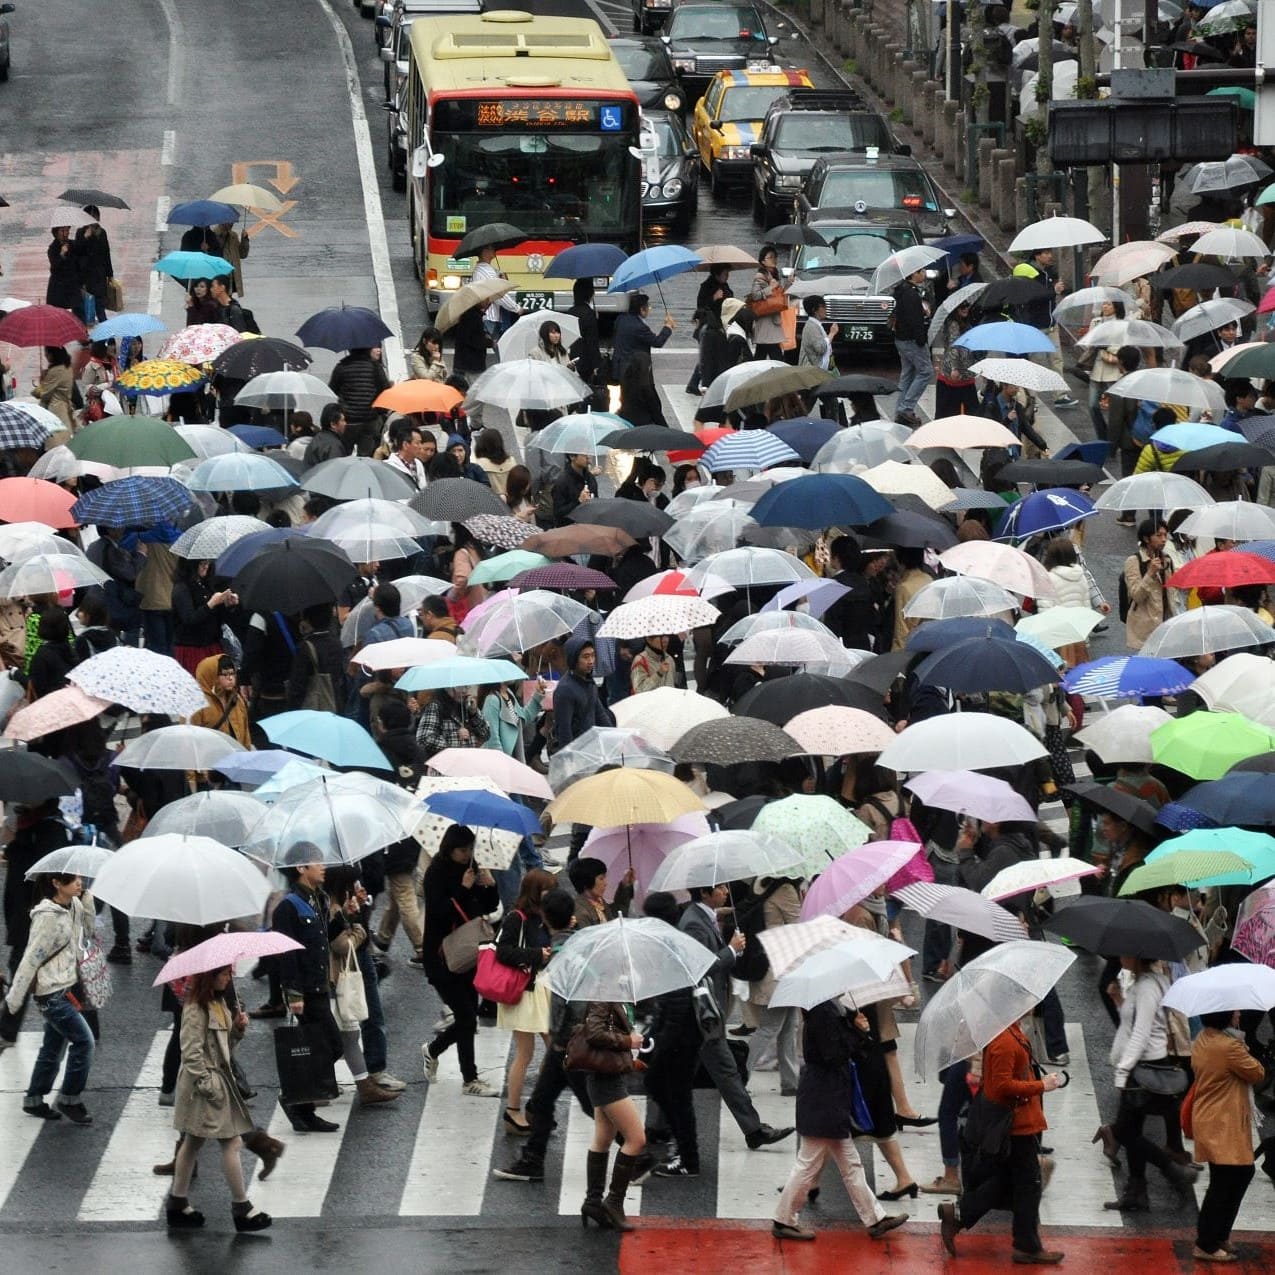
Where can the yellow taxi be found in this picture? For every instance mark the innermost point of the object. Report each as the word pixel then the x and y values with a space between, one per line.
pixel 728 120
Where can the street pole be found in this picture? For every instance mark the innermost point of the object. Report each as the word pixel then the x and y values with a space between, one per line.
pixel 1117 53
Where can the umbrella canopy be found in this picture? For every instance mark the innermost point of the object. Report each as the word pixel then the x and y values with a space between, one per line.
pixel 1231 243
pixel 788 945
pixel 224 951
pixel 795 648
pixel 239 471
pixel 249 358
pixel 804 434
pixel 1223 988
pixel 210 440
pixel 403 653
pixel 52 712
pixel 1115 801
pixel 127 441
pixel 654 438
pixel 851 877
pixel 1005 337
pixel 1230 520
pixel 730 741
pixel 524 620
pixel 295 574
pixel 521 340
pixel 837 731
pixel 625 796
pixel 941 633
pixel 664 715
pixel 1137 332
pixel 479 808
pixel 494 848
pixel 653 265
pixel 774 383
pixel 1057 232
pixel 753 449
pixel 212 537
pixel 371 530
pixel 781 699
pixel 1210 315
pixel 585 261
pixel 41 325
pixel 49 573
pixel 963 432
pixel 419 396
pixel 720 857
pixel 817 826
pixel 502 531
pixel 1124 927
pixel 36 500
pixel 1126 676
pixel 1124 734
pixel 601 746
pixel 1171 385
pixel 343 327
pixel 507 773
pixel 528 384
pixel 955 905
pixel 907 261
pixel 1207 629
pixel 1059 626
pixel 1033 377
pixel 820 500
pixel 70 861
pixel 1011 568
pixel 495 234
pixel 157 377
pixel 1225 456
pixel 560 575
pixel 478 292
pixel 1206 745
pixel 193 265
pixel 459 670
pixel 189 880
pixel 985 997
pixel 980 665
pixel 894 479
pixel 637 517
pixel 357 478
pixel 20 429
pixel 141 680
pixel 965 792
pixel 1239 684
pixel 658 614
pixel 133 502
pixel 871 443
pixel 1254 935
pixel 578 433
pixel 955 596
pixel 866 960
pixel 285 390
pixel 455 499
pixel 745 567
pixel 30 778
pixel 202 212
pixel 641 848
pixel 1042 512
pixel 1257 849
pixel 967 741
pixel 581 537
pixel 505 566
pixel 627 961
pixel 1035 874
pixel 1224 571
pixel 223 815
pixel 199 344
pixel 178 748
pixel 721 386
pixel 335 739
pixel 1186 867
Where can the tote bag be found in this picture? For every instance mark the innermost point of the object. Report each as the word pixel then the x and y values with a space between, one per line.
pixel 351 994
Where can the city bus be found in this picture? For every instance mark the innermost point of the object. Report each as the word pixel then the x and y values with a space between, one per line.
pixel 522 119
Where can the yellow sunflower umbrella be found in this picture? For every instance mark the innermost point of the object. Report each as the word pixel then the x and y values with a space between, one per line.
pixel 160 376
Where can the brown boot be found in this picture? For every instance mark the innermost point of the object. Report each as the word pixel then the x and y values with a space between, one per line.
pixel 370 1093
pixel 166 1170
pixel 613 1204
pixel 266 1149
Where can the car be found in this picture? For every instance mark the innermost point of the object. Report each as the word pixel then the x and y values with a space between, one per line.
pixel 858 241
pixel 394 52
pixel 396 137
pixel 728 118
pixel 4 40
pixel 650 15
pixel 801 126
pixel 646 65
pixel 670 171
pixel 703 39
pixel 879 181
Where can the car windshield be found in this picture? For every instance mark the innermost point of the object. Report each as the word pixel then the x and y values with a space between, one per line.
pixel 878 188
pixel 643 64
pixel 670 138
pixel 749 101
pixel 715 22
pixel 859 249
pixel 808 131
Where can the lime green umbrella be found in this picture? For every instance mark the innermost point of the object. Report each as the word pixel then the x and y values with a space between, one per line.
pixel 1207 745
pixel 130 441
pixel 1185 867
pixel 504 566
pixel 1243 97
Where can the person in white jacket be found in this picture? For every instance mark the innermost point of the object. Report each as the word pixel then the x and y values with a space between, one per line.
pixel 59 924
pixel 1071 589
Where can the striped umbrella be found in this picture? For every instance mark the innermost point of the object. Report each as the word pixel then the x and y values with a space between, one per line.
pixel 748 449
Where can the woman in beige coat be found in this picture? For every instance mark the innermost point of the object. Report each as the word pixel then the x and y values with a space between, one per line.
pixel 56 386
pixel 208 1102
pixel 774 1045
pixel 1222 1119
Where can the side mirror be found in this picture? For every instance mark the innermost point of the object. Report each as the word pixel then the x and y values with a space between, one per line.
pixel 757 152
pixel 903 148
pixel 949 213
pixel 785 272
pixel 666 40
pixel 386 53
pixel 717 126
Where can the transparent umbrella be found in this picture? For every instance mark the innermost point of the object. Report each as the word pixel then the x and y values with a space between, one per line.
pixel 960 595
pixel 726 856
pixel 1210 315
pixel 212 537
pixel 1153 491
pixel 865 960
pixel 866 445
pixel 1078 308
pixel 226 816
pixel 1172 385
pixel 983 998
pixel 179 748
pixel 1240 684
pixel 664 715
pixel 20 540
pixel 770 621
pixel 1206 629
pixel 528 384
pixel 745 567
pixel 49 573
pixel 412 591
pixel 1124 734
pixel 709 528
pixel 605 746
pixel 721 386
pixel 795 647
pixel 1231 520
pixel 627 961
pixel 581 433
pixel 1130 332
pixel 524 620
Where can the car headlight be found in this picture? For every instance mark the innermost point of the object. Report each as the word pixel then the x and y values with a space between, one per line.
pixel 789 181
pixel 654 191
pixel 683 64
pixel 673 188
pixel 737 152
pixel 672 102
pixel 646 189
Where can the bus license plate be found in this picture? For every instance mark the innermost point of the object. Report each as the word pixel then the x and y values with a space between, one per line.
pixel 859 334
pixel 535 300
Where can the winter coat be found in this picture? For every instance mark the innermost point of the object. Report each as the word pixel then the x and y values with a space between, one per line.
pixel 1008 1078
pixel 825 1088
pixel 521 941
pixel 1222 1114
pixel 1146 600
pixel 228 716
pixel 632 333
pixel 576 704
pixel 194 622
pixel 1072 587
pixel 909 314
pixel 767 328
pixel 64 276
pixel 356 380
pixel 48 964
pixel 446 899
pixel 94 251
pixel 207 1102
pixel 567 490
pixel 646 671
pixel 303 971
pixel 325 445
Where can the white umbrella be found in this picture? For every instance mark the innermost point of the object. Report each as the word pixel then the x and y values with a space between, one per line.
pixel 627 961
pixel 664 715
pixel 141 680
pixel 1130 332
pixel 1210 315
pixel 1060 626
pixel 1057 232
pixel 1205 630
pixel 412 590
pixel 1231 243
pixel 1033 377
pixel 190 880
pixel 1035 874
pixel 900 265
pixel 766 621
pixel 955 905
pixel 212 537
pixel 1005 565
pixel 179 748
pixel 954 596
pixel 962 433
pixel 799 647
pixel 1171 385
pixel 49 573
pixel 983 998
pixel 891 478
pixel 210 440
pixel 749 566
pixel 1221 989
pixel 962 741
pixel 726 856
pixel 1080 307
pixel 527 384
pixel 962 296
pixel 836 730
pixel 287 390
pixel 1153 490
pixel 224 815
pixel 1231 520
pixel 720 387
pixel 659 614
pixel 1241 683
pixel 1124 734
pixel 857 962
pixel 405 652
pixel 523 335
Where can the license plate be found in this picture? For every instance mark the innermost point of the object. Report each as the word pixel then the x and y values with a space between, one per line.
pixel 534 300
pixel 859 334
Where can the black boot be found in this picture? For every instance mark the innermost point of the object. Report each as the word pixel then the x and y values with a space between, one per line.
pixel 595 1170
pixel 1133 1199
pixel 621 1176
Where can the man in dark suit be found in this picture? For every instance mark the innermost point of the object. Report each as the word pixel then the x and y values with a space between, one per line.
pixel 699 920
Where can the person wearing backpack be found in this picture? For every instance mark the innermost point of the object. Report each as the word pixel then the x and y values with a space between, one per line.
pixel 775 902
pixel 316 677
pixel 1142 604
pixel 393 731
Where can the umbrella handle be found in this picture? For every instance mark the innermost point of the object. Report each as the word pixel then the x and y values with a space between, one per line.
pixel 1064 1079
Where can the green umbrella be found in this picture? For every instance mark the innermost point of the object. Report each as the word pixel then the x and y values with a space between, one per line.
pixel 1207 745
pixel 1267 196
pixel 1243 97
pixel 1184 867
pixel 1257 849
pixel 130 441
pixel 819 827
pixel 504 566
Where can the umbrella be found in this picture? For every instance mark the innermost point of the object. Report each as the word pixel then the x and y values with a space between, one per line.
pixel 1114 801
pixel 653 438
pixel 128 441
pixel 1011 568
pixel 1043 512
pixel 224 951
pixel 521 340
pixel 962 432
pixel 246 548
pixel 1053 472
pixel 804 434
pixel 1229 174
pixel 140 680
pixel 1254 934
pixel 961 297
pixel 852 876
pixel 788 945
pixel 1124 734
pixel 157 377
pixel 1118 676
pixel 843 970
pixel 478 292
pixel 1210 315
pixel 1221 989
pixel 1033 377
pixel 627 961
pixel 1035 874
pixel 505 566
pixel 70 861
pixel 29 778
pixel 795 648
pixel 1250 359
pixel 658 614
pixel 295 574
pixel 774 383
pixel 189 880
pixel 955 596
pixel 894 479
pixel 721 386
pixel 478 808
pixel 906 528
pixel 334 739
pixel 642 847
pixel 1230 570
pixel 1239 684
pixel 1059 626
pixel 1206 745
pixel 1226 456
pixel 52 712
pixel 502 531
pixel 979 665
pixel 495 234
pixel 419 396
pixel 904 263
pixel 848 386
pixel 1186 867
pixel 224 815
pixel 601 746
pixel 820 500
pixel 284 390
pixel 1257 849
pixel 1230 520
pixel 528 384
pixel 239 471
pixel 580 537
pixel 653 266
pixel 1086 303
pixel 781 699
pixel 1171 385
pixel 22 539
pixel 578 433
pixel 585 261
pixel 1207 629
pixel 178 748
pixel 1006 337
pixel 81 195
pixel 983 998
pixel 819 828
pixel 965 792
pixel 1137 332
pixel 1013 290
pixel 818 595
pixel 249 358
pixel 212 537
pixel 664 715
pixel 711 527
pixel 357 477
pixel 726 856
pixel 731 741
pixel 941 633
pixel 20 429
pixel 966 741
pixel 955 905
pixel 210 440
pixel 259 437
pixel 244 195
pixel 837 731
pixel 493 847
pixel 617 797
pixel 256 767
pixel 344 327
pixel 406 652
pixel 49 573
pixel 638 517
pixel 753 449
pixel 1191 436
pixel 1153 490
pixel 507 773
pixel 41 325
pixel 459 670
pixel 1197 276
pixel 1057 232
pixel 1124 927
pixel 371 528
pixel 770 619
pixel 523 621
pixel 202 212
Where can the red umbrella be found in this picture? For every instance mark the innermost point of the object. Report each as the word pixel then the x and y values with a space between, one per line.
pixel 35 500
pixel 41 325
pixel 708 436
pixel 1230 570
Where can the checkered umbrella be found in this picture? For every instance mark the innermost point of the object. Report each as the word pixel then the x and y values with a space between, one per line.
pixel 456 499
pixel 200 343
pixel 35 325
pixel 498 530
pixel 132 502
pixel 21 429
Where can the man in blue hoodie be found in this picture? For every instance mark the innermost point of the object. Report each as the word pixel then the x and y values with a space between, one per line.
pixel 576 703
pixel 459 448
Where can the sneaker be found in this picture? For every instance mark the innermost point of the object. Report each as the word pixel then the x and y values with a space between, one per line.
pixel 431 1064
pixel 384 1080
pixel 1066 401
pixel 381 945
pixel 168 1099
pixel 676 1168
pixel 1060 1060
pixel 74 1112
pixel 416 962
pixel 523 1169
pixel 479 1089
pixel 447 1019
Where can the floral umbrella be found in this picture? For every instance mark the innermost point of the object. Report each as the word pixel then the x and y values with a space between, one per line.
pixel 159 376
pixel 141 680
pixel 54 711
pixel 818 826
pixel 199 343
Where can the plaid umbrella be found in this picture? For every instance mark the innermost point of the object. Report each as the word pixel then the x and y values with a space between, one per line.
pixel 133 502
pixel 200 343
pixel 731 740
pixel 499 530
pixel 252 357
pixel 21 429
pixel 35 325
pixel 156 377
pixel 125 441
pixel 456 499
pixel 561 575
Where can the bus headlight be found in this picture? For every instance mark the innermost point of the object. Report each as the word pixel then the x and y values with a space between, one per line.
pixel 451 282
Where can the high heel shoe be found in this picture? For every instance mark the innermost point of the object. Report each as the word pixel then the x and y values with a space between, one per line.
pixel 1110 1147
pixel 909 1192
pixel 594 1211
pixel 518 1128
pixel 916 1122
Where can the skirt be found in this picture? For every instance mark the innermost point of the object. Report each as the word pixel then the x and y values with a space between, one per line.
pixel 530 1014
pixel 604 1090
pixel 189 657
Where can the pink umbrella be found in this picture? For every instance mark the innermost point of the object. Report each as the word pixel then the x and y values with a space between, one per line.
pixel 966 792
pixel 224 950
pixel 854 875
pixel 837 731
pixel 507 773
pixel 642 846
pixel 486 605
pixel 1255 927
pixel 54 711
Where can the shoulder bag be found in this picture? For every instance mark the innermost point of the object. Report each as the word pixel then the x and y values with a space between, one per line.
pixel 774 302
pixel 582 1056
pixel 460 947
pixel 351 994
pixel 91 969
pixel 318 692
pixel 1160 1077
pixel 498 982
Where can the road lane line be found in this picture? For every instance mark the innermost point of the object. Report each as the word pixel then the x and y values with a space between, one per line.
pixel 748 1182
pixel 169 148
pixel 176 51
pixel 18 1131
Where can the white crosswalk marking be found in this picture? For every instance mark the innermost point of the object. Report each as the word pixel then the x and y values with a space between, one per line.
pixel 18 1131
pixel 575 1148
pixel 747 1180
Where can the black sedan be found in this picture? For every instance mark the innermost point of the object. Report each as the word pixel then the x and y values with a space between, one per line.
pixel 703 39
pixel 646 65
pixel 670 171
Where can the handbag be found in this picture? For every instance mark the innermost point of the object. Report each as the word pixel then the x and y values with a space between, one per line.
pixel 582 1055
pixel 91 969
pixel 986 1133
pixel 460 947
pixel 774 302
pixel 319 694
pixel 1163 1078
pixel 303 1057
pixel 114 294
pixel 1186 1113
pixel 496 981
pixel 351 994
pixel 861 1123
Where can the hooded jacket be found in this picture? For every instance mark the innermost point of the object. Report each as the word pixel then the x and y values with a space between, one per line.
pixel 48 962
pixel 576 703
pixel 226 714
pixel 476 473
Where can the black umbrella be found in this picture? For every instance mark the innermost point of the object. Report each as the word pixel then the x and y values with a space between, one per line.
pixel 653 438
pixel 30 778
pixel 979 664
pixel 1011 291
pixel 637 517
pixel 87 195
pixel 1051 473
pixel 455 499
pixel 1200 50
pixel 844 386
pixel 738 816
pixel 1223 456
pixel 1200 276
pixel 293 575
pixel 780 700
pixel 907 530
pixel 882 671
pixel 344 327
pixel 1124 927
pixel 727 741
pixel 795 235
pixel 1133 810
pixel 496 234
pixel 246 359
pixel 1262 764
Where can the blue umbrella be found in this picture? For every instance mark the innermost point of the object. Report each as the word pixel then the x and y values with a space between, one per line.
pixel 258 435
pixel 804 434
pixel 124 325
pixel 585 261
pixel 954 245
pixel 1191 436
pixel 934 635
pixel 478 808
pixel 1091 453
pixel 193 265
pixel 982 664
pixel 1050 509
pixel 821 500
pixel 239 471
pixel 136 501
pixel 242 552
pixel 1179 818
pixel 255 767
pixel 653 265
pixel 202 212
pixel 460 670
pixel 1241 798
pixel 344 327
pixel 1006 337
pixel 328 736
pixel 1127 677
pixel 1263 549
pixel 749 449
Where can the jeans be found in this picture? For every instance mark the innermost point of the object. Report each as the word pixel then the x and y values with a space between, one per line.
pixel 812 1154
pixel 375 1046
pixel 1015 1185
pixel 1221 1203
pixel 552 1079
pixel 64 1026
pixel 916 373
pixel 157 631
pixel 719 1062
pixel 955 1097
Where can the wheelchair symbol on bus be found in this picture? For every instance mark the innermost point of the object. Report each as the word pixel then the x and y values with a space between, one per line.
pixel 611 119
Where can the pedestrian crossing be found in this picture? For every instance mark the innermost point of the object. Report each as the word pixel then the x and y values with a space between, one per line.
pixel 431 1154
